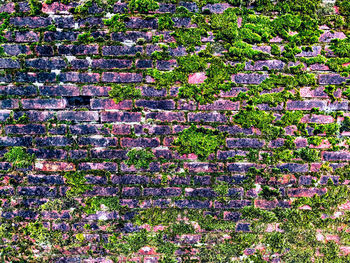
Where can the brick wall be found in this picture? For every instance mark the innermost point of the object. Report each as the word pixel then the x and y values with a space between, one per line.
pixel 170 131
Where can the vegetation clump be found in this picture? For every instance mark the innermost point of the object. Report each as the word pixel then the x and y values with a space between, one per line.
pixel 19 158
pixel 140 158
pixel 200 141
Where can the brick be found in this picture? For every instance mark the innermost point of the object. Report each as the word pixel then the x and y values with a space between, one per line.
pixel 306 192
pixel 294 167
pixel 156 104
pixel 7 8
pixel 45 63
pixel 109 154
pixel 44 50
pixel 203 167
pixel 216 8
pixel 197 78
pixel 79 77
pixel 336 156
pixel 327 79
pixel 207 117
pixel 41 77
pixel 99 142
pixel 131 36
pixel 78 116
pixel 163 192
pixel 16 141
pixel 9 63
pixel 58 141
pixel 328 36
pixel 244 143
pixel 121 50
pixel 47 166
pixel 260 65
pixel 31 22
pixel 306 105
pixel 111 63
pixel 64 90
pixel 60 36
pixel 243 78
pixel 195 204
pixel 25 129
pixel 29 36
pixel 139 142
pixel 220 105
pixel 98 166
pixel 166 116
pixel 109 116
pixel 37 191
pixel 15 49
pixel 44 103
pixel 121 77
pixel 109 104
pixel 78 50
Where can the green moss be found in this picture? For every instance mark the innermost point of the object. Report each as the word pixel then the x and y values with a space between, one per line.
pixel 314 140
pixel 308 155
pixel 19 158
pixel 269 193
pixel 115 23
pixel 120 93
pixel 140 158
pixel 165 22
pixel 35 7
pixel 93 204
pixel 341 47
pixel 143 6
pixel 77 183
pixel 242 51
pixel 200 141
pixel 85 38
pixel 191 64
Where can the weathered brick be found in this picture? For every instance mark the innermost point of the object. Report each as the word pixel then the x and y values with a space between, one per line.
pixel 139 142
pixel 111 63
pixel 244 143
pixel 25 129
pixel 207 117
pixel 109 104
pixel 78 116
pixel 121 77
pixel 44 103
pixel 110 116
pixel 79 77
pixel 31 22
pixel 121 50
pixel 9 63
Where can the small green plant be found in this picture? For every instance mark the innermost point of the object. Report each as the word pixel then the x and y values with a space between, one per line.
pixel 200 141
pixel 140 158
pixel 143 6
pixel 115 23
pixel 85 38
pixel 77 183
pixel 19 158
pixel 119 93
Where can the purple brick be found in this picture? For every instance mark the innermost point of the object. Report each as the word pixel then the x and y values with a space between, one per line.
pixel 336 156
pixel 195 204
pixel 243 78
pixel 99 166
pixel 78 50
pixel 44 103
pixel 207 117
pixel 77 116
pixel 98 142
pixel 166 116
pixel 170 191
pixel 244 143
pixel 306 105
pixel 108 116
pixel 260 65
pixel 121 77
pixel 15 50
pixel 326 79
pixel 79 77
pixel 25 129
pixel 121 50
pixel 109 154
pixel 27 36
pixel 60 36
pixel 31 22
pixel 111 63
pixel 294 167
pixel 156 104
pixel 37 191
pixel 67 90
pixel 139 142
pixel 45 63
pixel 53 141
pixel 44 50
pixel 9 63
